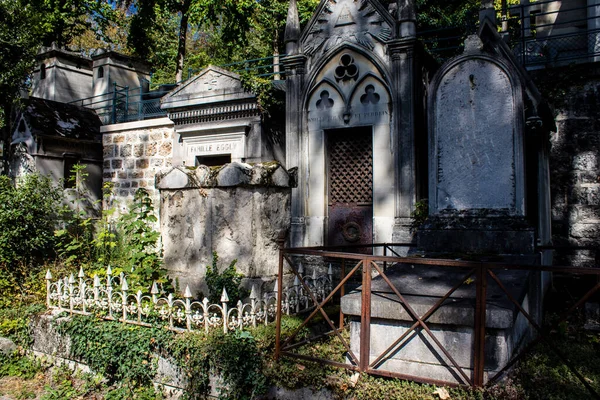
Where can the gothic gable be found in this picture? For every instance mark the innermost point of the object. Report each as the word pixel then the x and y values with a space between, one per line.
pixel 365 23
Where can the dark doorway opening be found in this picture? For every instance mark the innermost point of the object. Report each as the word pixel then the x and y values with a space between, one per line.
pixel 213 161
pixel 350 187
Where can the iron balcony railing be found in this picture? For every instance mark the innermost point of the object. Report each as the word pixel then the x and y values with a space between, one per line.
pixel 552 33
pixel 125 104
pixel 541 34
pixel 266 67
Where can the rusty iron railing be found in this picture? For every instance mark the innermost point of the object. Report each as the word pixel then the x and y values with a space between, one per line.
pixel 483 274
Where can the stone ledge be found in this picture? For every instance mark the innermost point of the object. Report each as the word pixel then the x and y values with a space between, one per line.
pixel 230 175
pixel 423 287
pixel 130 126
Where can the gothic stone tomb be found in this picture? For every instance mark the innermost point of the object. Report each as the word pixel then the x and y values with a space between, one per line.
pixel 347 136
pixel 355 138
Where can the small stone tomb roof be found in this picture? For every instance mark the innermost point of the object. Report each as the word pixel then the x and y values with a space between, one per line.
pixel 211 85
pixel 51 118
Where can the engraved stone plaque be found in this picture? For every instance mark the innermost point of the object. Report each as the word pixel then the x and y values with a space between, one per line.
pixel 476 145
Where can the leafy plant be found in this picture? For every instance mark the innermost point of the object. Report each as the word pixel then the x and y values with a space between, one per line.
pixel 229 280
pixel 270 99
pixel 18 365
pixel 419 215
pixel 75 240
pixel 236 359
pixel 140 240
pixel 29 212
pixel 191 353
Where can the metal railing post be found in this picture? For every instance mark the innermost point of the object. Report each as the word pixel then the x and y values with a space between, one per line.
pixel 141 104
pixel 114 104
pixel 126 113
pixel 365 316
pixel 479 329
pixel 279 299
pixel 342 292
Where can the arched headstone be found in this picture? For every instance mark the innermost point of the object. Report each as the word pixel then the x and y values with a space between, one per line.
pixel 476 155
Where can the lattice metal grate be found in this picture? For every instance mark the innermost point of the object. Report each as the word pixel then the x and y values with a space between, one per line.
pixel 350 167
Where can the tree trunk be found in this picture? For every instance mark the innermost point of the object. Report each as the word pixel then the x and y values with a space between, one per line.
pixel 183 26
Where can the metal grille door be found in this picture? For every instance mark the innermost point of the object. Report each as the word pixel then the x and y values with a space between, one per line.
pixel 350 180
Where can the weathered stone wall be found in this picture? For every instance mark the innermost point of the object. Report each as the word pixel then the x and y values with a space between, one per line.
pixel 54 348
pixel 133 154
pixel 575 159
pixel 237 210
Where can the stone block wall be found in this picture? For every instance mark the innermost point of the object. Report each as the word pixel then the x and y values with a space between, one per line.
pixel 238 210
pixel 134 153
pixel 575 160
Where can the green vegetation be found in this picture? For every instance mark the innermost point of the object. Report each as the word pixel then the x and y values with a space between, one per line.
pixel 120 353
pixel 419 214
pixel 28 217
pixel 229 279
pixel 124 358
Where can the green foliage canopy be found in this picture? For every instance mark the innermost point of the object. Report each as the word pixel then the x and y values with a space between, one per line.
pixel 28 216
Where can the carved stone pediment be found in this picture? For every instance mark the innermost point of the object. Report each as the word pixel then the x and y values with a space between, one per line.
pixel 362 22
pixel 211 85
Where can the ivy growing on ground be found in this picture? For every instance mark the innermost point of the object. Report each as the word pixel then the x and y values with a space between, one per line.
pixel 118 351
pixel 127 354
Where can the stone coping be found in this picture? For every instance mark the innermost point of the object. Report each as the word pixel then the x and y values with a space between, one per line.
pixel 234 174
pixel 423 286
pixel 143 124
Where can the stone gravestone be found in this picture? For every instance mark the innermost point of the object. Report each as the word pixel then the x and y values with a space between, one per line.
pixel 476 167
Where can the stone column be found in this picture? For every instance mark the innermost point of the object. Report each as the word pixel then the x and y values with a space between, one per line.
pixel 402 54
pixel 294 70
pixel 294 160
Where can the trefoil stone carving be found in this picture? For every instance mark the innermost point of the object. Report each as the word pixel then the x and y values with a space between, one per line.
pixel 347 70
pixel 325 102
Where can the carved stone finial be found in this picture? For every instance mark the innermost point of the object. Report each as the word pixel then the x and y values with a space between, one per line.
pixel 473 44
pixel 292 29
pixel 406 10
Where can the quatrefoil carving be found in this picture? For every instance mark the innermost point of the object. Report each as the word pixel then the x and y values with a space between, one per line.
pixel 347 70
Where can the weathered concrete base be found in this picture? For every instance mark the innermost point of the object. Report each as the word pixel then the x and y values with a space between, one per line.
pixel 239 211
pixel 402 234
pixel 452 324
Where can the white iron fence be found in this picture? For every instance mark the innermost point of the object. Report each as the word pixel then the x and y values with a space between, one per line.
pixel 111 299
